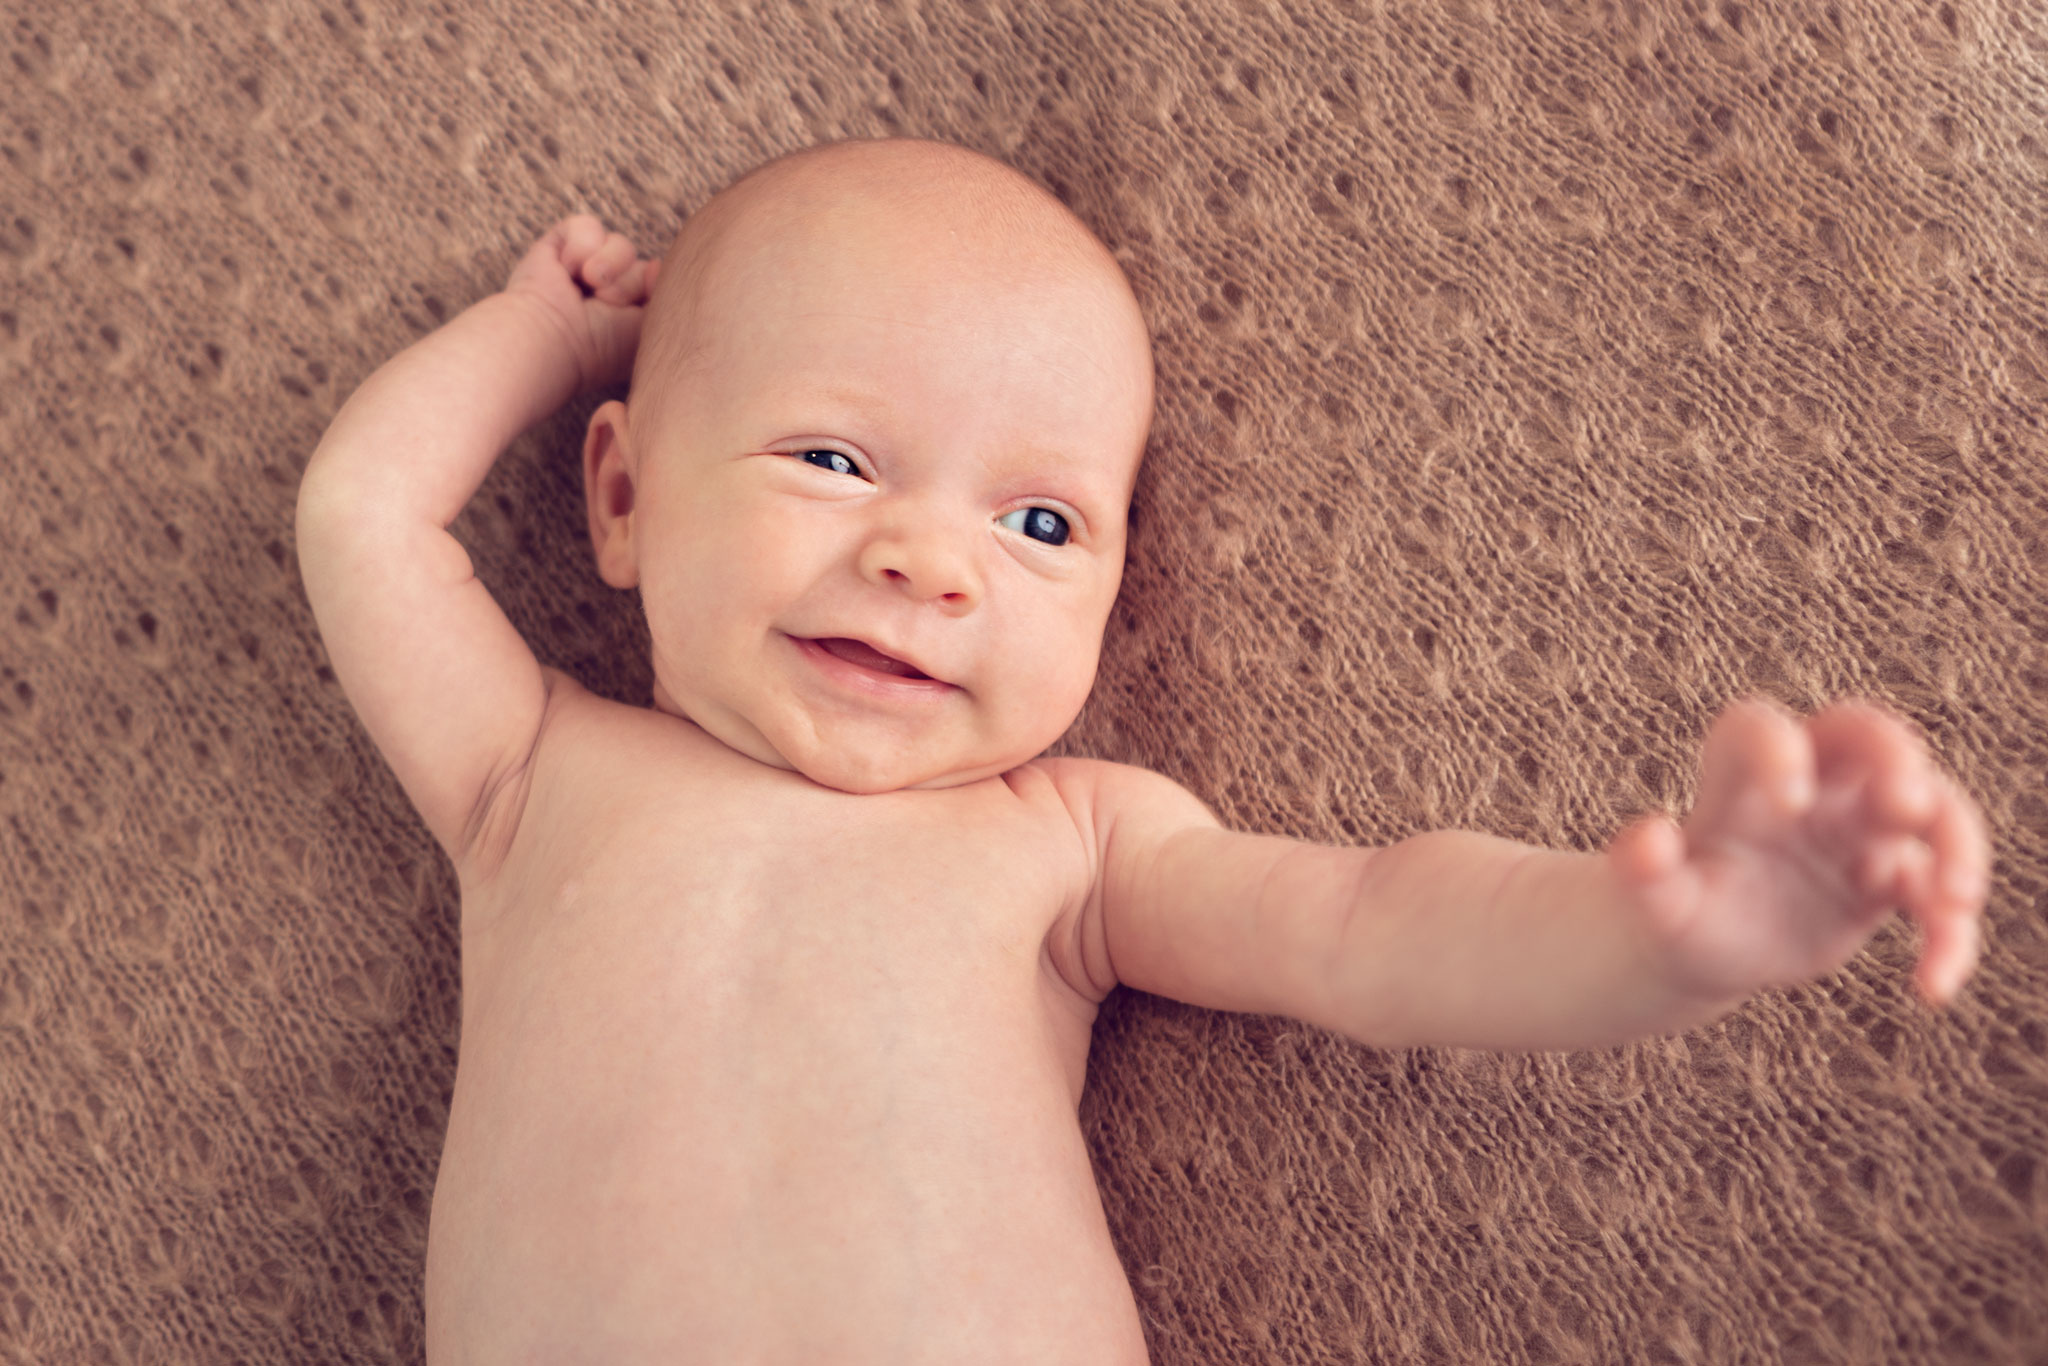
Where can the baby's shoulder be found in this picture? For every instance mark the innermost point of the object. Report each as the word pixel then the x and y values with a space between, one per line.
pixel 1122 816
pixel 1101 796
pixel 589 754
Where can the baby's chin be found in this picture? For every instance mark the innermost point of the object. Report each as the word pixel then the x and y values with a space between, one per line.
pixel 861 783
pixel 867 776
pixel 864 774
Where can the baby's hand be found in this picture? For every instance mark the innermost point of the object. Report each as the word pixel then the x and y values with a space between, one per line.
pixel 1805 837
pixel 595 285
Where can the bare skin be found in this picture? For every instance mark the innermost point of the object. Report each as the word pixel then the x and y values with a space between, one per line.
pixel 714 1106
pixel 777 994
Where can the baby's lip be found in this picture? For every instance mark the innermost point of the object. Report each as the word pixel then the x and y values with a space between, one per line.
pixel 921 673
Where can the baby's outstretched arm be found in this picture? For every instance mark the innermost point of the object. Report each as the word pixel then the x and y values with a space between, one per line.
pixel 448 691
pixel 1805 837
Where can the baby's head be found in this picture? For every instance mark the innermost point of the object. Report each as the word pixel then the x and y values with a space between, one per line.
pixel 890 392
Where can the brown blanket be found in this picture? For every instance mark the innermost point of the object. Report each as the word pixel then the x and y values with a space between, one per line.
pixel 1534 380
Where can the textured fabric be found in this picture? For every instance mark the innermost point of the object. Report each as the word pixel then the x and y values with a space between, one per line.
pixel 1534 380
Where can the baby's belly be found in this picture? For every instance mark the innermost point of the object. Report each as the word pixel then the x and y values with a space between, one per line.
pixel 674 1143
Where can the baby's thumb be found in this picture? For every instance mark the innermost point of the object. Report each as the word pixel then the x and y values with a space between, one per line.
pixel 1648 849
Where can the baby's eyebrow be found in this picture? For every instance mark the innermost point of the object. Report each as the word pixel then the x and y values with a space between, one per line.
pixel 877 409
pixel 869 405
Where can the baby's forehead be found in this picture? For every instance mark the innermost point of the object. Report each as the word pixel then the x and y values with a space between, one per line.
pixel 902 231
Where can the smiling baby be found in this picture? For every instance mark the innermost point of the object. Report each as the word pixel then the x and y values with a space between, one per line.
pixel 777 993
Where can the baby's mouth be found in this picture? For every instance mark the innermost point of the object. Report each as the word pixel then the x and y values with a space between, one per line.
pixel 857 652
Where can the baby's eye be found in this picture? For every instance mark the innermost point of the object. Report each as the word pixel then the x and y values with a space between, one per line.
pixel 836 461
pixel 1040 524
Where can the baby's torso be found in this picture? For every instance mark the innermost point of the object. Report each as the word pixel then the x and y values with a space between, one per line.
pixel 755 1071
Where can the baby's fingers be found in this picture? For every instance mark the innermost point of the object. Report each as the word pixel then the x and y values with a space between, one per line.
pixel 599 261
pixel 604 267
pixel 633 285
pixel 1960 882
pixel 575 239
pixel 1947 957
pixel 1962 849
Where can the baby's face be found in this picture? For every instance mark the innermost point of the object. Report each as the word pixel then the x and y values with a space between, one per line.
pixel 901 435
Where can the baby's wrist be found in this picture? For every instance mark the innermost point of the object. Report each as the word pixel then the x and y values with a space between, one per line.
pixel 592 346
pixel 1639 987
pixel 541 341
pixel 1683 1001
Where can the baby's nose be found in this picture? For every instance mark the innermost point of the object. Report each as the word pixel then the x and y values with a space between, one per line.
pixel 931 568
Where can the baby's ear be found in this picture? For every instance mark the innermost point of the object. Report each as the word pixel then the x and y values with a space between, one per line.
pixel 608 494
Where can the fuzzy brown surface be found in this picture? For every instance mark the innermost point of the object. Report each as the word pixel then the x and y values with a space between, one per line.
pixel 1535 379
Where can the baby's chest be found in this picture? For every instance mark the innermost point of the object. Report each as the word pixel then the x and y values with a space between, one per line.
pixel 731 1042
pixel 774 865
pixel 740 908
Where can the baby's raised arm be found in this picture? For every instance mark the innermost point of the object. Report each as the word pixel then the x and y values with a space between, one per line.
pixel 448 691
pixel 1806 836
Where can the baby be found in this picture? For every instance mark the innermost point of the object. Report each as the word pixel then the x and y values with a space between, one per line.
pixel 777 994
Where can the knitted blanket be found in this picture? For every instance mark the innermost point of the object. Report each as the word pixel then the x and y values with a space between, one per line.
pixel 1534 380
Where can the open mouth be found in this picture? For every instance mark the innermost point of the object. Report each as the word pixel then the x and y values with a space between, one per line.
pixel 868 657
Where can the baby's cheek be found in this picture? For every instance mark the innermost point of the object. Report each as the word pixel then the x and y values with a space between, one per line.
pixel 1063 674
